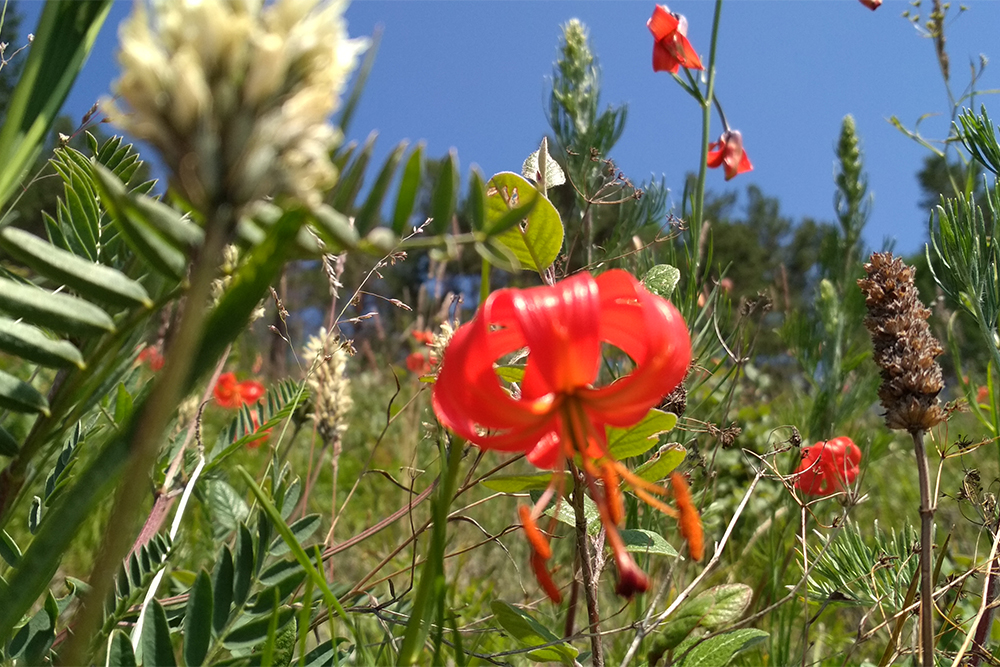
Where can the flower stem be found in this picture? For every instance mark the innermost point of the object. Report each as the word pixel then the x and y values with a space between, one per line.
pixel 926 544
pixel 586 568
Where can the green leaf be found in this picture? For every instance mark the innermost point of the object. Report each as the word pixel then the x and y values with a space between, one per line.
pixel 155 642
pixel 351 178
pixel 475 204
pixel 226 505
pixel 222 585
pixel 518 483
pixel 198 620
pixel 566 514
pixel 32 641
pixel 529 632
pixel 89 279
pixel 729 601
pixel 639 439
pixel 301 529
pixel 9 550
pixel 65 34
pixel 120 651
pixel 444 198
pixel 251 631
pixel 535 237
pixel 662 463
pixel 368 216
pixel 243 566
pixel 719 651
pixel 20 396
pixel 711 609
pixel 334 228
pixel 661 280
pixel 291 497
pixel 123 404
pixel 647 542
pixel 8 445
pixel 409 187
pixel 323 655
pixel 61 312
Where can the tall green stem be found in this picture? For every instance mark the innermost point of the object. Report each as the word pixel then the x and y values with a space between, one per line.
pixel 698 207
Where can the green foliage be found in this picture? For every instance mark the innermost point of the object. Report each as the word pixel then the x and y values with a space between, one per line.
pixel 529 633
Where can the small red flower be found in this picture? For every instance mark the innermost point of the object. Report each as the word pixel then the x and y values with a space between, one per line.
pixel 728 153
pixel 263 438
pixel 418 362
pixel 232 394
pixel 872 4
pixel 425 337
pixel 558 415
pixel 982 394
pixel 671 50
pixel 152 356
pixel 828 467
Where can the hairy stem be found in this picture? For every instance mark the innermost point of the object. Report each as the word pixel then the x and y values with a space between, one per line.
pixel 586 569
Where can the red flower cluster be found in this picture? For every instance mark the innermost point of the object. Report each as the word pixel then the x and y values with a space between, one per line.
pixel 828 467
pixel 232 394
pixel 422 362
pixel 671 48
pixel 151 355
pixel 728 153
pixel 557 415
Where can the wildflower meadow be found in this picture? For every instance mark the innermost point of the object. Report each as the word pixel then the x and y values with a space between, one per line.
pixel 266 399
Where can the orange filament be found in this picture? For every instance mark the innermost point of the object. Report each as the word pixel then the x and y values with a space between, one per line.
pixel 689 521
pixel 539 544
pixel 614 497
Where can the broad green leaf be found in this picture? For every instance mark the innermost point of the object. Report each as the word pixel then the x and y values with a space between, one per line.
pixel 368 216
pixel 646 542
pixel 290 499
pixel 554 174
pixel 662 463
pixel 661 280
pixel 242 566
pixel 155 641
pixel 639 439
pixel 518 483
pixel 33 640
pixel 222 587
pixel 729 601
pixel 510 373
pixel 61 312
pixel 566 514
pixel 302 529
pixel 198 620
pixel 226 505
pixel 535 239
pixel 8 445
pixel 120 651
pixel 444 198
pixel 409 187
pixel 89 279
pixel 719 651
pixel 19 396
pixel 529 632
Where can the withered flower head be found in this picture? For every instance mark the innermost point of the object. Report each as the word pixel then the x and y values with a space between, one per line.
pixel 904 347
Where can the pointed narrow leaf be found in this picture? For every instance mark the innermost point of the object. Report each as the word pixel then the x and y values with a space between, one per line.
pixel 529 632
pixel 334 228
pixel 120 651
pixel 251 631
pixel 639 439
pixel 9 550
pixel 368 216
pixel 19 396
pixel 409 187
pixel 31 343
pixel 444 198
pixel 198 620
pixel 222 586
pixel 89 279
pixel 518 483
pixel 350 180
pixel 302 529
pixel 646 542
pixel 155 641
pixel 61 312
pixel 476 202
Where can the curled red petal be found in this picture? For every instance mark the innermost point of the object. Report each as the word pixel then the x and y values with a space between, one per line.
pixel 226 391
pixel 544 578
pixel 251 391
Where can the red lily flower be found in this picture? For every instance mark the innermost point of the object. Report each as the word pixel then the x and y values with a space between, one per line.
pixel 151 355
pixel 672 50
pixel 872 4
pixel 558 415
pixel 728 152
pixel 828 467
pixel 232 394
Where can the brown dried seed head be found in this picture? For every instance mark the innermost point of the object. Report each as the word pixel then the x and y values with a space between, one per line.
pixel 904 347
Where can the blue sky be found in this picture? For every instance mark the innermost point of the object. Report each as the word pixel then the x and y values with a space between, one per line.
pixel 474 75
